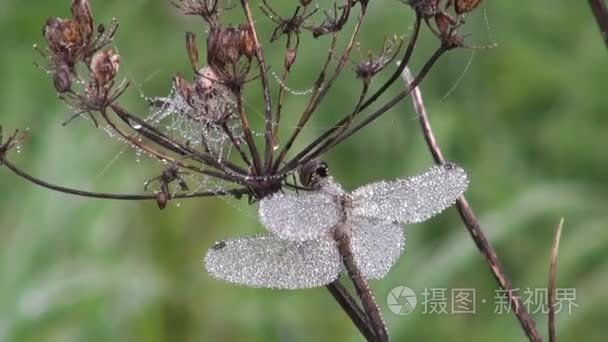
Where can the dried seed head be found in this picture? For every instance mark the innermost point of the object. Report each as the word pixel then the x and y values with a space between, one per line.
pixel 290 58
pixel 426 8
pixel 208 100
pixel 212 99
pixel 312 173
pixel 162 198
pixel 305 2
pixel 375 64
pixel 183 88
pixel 226 45
pixel 104 66
pixel 448 32
pixel 81 11
pixel 64 38
pixel 62 78
pixel 444 23
pixel 206 79
pixel 192 50
pixel 247 42
pixel 464 6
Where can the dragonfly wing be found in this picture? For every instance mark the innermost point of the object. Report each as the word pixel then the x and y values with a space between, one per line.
pixel 267 261
pixel 376 245
pixel 414 199
pixel 299 217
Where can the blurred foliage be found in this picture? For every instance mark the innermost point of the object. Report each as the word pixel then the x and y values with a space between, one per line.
pixel 526 119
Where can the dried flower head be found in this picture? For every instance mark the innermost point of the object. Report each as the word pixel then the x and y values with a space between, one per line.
pixel 104 67
pixel 210 101
pixel 81 12
pixel 463 6
pixel 375 64
pixel 229 53
pixel 209 10
pixel 290 25
pixel 192 50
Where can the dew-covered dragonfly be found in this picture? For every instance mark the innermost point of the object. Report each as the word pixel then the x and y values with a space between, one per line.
pixel 302 249
pixel 316 234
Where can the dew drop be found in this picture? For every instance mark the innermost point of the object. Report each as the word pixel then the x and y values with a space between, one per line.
pixel 135 124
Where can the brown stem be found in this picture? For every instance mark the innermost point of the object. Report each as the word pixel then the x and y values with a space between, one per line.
pixel 266 88
pixel 299 158
pixel 415 82
pixel 248 135
pixel 600 12
pixel 472 223
pixel 123 197
pixel 164 157
pixel 316 100
pixel 236 144
pixel 553 281
pixel 404 62
pixel 352 309
pixel 343 240
pixel 317 88
pixel 152 134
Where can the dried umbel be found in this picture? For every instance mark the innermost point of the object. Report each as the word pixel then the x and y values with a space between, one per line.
pixel 209 10
pixel 64 39
pixel 375 64
pixel 229 54
pixel 104 67
pixel 464 6
pixel 209 100
pixel 446 24
pixel 81 11
pixel 170 175
pixel 289 26
pixel 70 41
pixel 206 117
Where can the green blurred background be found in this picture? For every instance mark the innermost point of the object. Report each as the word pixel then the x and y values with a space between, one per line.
pixel 528 120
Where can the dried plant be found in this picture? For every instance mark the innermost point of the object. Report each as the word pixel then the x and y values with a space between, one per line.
pixel 193 130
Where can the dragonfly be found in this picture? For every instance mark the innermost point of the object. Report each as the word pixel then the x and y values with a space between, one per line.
pixel 316 234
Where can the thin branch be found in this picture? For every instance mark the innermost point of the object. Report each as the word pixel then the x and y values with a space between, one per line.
pixel 600 12
pixel 351 308
pixel 298 159
pixel 163 157
pixel 268 133
pixel 402 65
pixel 324 88
pixel 375 115
pixel 317 88
pixel 123 197
pixel 248 135
pixel 472 223
pixel 236 144
pixel 553 281
pixel 152 134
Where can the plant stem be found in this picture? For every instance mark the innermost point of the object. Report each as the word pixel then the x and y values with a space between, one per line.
pixel 553 281
pixel 471 222
pixel 600 12
pixel 351 308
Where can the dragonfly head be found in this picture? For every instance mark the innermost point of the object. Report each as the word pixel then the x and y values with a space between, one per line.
pixel 313 172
